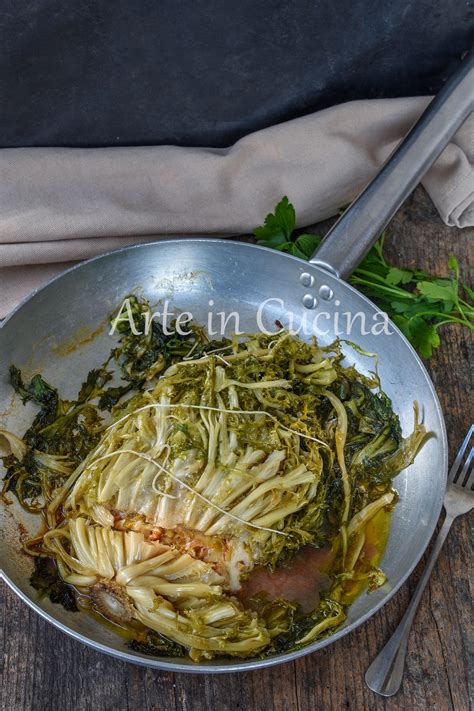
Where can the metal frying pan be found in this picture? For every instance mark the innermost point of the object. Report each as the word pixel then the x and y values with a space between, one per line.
pixel 55 332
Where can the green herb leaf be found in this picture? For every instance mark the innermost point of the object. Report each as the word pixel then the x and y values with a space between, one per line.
pixel 285 216
pixel 307 244
pixel 469 291
pixel 453 264
pixel 399 307
pixel 296 251
pixel 399 276
pixel 278 241
pixel 416 301
pixel 278 225
pixel 440 290
pixel 423 336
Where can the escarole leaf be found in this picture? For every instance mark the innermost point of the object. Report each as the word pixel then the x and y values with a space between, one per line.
pixel 10 444
pixel 47 581
pixel 154 644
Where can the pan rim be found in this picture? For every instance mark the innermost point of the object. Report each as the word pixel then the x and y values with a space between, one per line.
pixel 252 664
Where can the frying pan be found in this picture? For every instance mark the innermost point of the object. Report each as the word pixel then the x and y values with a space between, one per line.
pixel 55 331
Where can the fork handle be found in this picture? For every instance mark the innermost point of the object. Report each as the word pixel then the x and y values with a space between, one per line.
pixel 384 676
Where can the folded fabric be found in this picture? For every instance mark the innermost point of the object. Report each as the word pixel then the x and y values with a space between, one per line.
pixel 59 205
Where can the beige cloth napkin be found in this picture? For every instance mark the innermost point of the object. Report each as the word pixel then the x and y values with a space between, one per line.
pixel 61 205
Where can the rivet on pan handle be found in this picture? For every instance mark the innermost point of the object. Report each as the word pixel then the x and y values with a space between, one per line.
pixel 355 232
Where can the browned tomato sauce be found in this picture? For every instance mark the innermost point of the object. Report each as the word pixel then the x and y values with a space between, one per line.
pixel 308 574
pixel 301 580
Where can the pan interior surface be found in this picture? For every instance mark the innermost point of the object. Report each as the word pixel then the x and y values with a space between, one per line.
pixel 62 332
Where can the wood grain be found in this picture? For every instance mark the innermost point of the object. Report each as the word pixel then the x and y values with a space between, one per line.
pixel 42 669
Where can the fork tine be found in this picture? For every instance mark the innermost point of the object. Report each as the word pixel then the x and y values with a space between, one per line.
pixel 465 469
pixel 460 455
pixel 470 481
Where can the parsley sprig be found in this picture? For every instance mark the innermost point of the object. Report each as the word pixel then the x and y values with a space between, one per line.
pixel 417 302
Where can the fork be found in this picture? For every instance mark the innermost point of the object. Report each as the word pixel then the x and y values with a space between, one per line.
pixel 384 676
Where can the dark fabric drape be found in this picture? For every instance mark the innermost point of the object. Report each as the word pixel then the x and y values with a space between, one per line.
pixel 206 72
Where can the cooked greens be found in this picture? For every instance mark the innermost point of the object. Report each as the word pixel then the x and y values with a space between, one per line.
pixel 226 460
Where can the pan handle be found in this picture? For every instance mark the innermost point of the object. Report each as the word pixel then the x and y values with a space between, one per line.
pixel 357 230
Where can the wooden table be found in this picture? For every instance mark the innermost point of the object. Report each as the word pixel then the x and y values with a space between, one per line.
pixel 45 669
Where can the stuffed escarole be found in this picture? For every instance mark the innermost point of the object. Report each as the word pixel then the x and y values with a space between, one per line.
pixel 226 499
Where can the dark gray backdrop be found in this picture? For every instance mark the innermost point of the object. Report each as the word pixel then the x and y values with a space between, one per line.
pixel 205 72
